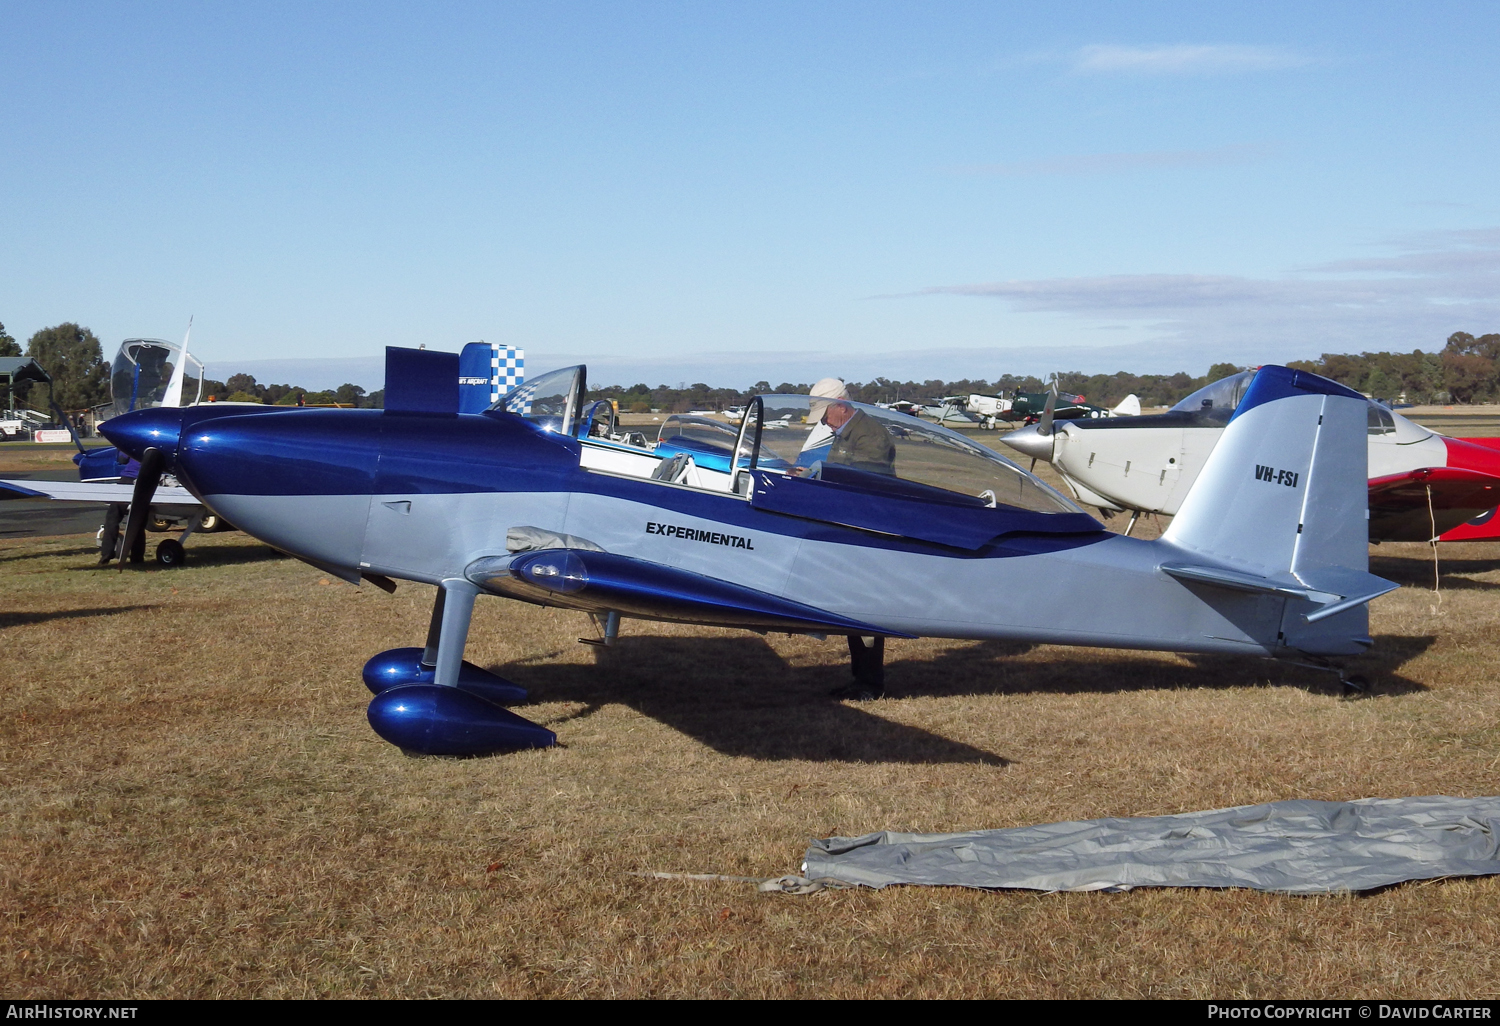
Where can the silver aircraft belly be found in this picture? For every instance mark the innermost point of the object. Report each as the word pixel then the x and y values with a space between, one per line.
pixel 1132 604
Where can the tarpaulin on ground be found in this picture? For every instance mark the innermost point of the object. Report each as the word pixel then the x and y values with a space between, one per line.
pixel 1296 846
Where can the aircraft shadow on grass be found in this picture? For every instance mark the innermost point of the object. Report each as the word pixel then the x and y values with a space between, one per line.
pixel 985 669
pixel 202 557
pixel 26 619
pixel 739 697
pixel 1416 571
pixel 82 550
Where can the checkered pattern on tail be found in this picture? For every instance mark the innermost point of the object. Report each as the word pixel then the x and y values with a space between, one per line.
pixel 507 371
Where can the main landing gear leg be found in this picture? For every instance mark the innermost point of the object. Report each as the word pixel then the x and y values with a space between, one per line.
pixel 867 662
pixel 459 711
pixel 451 613
pixel 434 631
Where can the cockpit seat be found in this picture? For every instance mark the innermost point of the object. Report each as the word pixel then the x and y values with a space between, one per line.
pixel 673 468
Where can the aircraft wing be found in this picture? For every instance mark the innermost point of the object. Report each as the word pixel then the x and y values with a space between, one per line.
pixel 1450 488
pixel 1399 503
pixel 92 491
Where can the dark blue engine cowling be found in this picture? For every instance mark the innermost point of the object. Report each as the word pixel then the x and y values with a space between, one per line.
pixel 400 666
pixel 436 720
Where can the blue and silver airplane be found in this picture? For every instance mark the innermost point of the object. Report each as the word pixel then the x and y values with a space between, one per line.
pixel 539 499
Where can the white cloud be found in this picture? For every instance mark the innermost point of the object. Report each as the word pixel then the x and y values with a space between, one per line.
pixel 1439 283
pixel 1182 59
pixel 1114 163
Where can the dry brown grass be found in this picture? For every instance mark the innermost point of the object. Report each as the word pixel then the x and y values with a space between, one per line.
pixel 195 806
pixel 16 458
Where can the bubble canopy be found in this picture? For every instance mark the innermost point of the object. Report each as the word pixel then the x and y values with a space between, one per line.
pixel 795 439
pixel 1217 400
pixel 142 370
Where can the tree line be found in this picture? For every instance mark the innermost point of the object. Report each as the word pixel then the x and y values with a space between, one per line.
pixel 1101 389
pixel 1466 370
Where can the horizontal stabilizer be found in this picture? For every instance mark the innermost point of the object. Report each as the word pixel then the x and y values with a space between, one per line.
pixel 599 582
pixel 1334 589
pixel 1232 579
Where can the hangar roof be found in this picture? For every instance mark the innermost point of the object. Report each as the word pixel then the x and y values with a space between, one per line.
pixel 22 368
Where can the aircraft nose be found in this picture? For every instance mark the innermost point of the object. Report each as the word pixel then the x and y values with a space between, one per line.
pixel 1030 442
pixel 134 433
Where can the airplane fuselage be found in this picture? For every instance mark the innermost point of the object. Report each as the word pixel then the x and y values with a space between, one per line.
pixel 422 497
pixel 1149 464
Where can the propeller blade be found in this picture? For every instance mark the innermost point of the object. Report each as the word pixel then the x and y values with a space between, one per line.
pixel 153 462
pixel 1044 426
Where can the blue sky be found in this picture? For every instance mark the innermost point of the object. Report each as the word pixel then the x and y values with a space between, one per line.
pixel 731 191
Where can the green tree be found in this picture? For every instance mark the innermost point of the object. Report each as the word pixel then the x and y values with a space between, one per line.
pixel 1469 378
pixel 244 384
pixel 8 345
pixel 349 394
pixel 73 358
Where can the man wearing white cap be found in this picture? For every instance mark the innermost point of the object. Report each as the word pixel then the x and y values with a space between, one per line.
pixel 853 437
pixel 824 391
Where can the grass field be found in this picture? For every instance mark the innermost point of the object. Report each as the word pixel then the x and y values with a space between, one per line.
pixel 195 806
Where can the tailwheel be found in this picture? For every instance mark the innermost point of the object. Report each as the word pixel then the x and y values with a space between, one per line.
pixel 1355 686
pixel 170 553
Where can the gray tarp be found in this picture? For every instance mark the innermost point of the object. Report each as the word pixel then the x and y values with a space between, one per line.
pixel 1301 847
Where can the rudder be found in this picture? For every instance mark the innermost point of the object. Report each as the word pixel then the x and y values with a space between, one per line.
pixel 1281 508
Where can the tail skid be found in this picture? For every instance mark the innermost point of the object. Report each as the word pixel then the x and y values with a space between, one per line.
pixel 1281 509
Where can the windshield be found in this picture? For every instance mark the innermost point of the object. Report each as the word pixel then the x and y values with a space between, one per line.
pixel 698 433
pixel 141 372
pixel 553 400
pixel 893 444
pixel 1217 399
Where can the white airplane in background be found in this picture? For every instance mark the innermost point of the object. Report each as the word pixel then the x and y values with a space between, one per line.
pixel 1422 485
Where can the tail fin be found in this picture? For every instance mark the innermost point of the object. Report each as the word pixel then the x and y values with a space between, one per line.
pixel 1281 503
pixel 1130 406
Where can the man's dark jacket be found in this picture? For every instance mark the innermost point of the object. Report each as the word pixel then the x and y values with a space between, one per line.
pixel 864 444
